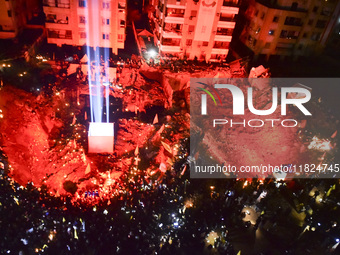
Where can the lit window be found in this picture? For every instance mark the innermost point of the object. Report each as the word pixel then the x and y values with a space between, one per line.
pixel 82 3
pixel 82 19
pixel 271 32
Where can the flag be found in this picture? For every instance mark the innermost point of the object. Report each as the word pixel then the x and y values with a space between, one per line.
pixel 167 147
pixel 330 190
pixel 88 169
pixel 334 134
pixel 161 129
pixel 155 120
pixel 162 167
pixel 136 151
pixel 185 168
pixel 74 120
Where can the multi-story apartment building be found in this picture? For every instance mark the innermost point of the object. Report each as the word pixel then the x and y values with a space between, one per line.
pixel 95 23
pixel 287 27
pixel 194 28
pixel 14 15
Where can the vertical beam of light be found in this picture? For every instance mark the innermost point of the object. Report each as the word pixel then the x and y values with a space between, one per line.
pixel 107 82
pixel 96 67
pixel 94 33
pixel 89 57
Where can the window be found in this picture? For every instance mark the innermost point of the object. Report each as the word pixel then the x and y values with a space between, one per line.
pixel 262 15
pixel 276 19
pixel 105 36
pixel 120 37
pixel 9 13
pixel 326 11
pixel 315 36
pixel 293 21
pixel 256 13
pixel 82 19
pixel 290 34
pixel 321 24
pixel 106 5
pixel 305 35
pixel 310 22
pixel 122 23
pixel 221 45
pixel 62 34
pixel 294 6
pixel 82 3
pixel 51 18
pixel 106 21
pixel 188 42
pixel 271 32
pixel 205 44
pixel 315 9
pixel 193 13
pixel 191 28
pixel 82 35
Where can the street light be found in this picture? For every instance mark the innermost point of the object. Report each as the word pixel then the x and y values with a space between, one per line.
pixel 152 53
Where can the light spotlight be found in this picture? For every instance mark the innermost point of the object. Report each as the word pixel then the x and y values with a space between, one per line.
pixel 152 53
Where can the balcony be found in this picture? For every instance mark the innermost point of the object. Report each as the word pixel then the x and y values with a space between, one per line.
pixel 169 48
pixel 55 20
pixel 292 21
pixel 121 5
pixel 172 33
pixel 231 3
pixel 225 32
pixel 223 38
pixel 289 34
pixel 219 51
pixel 175 20
pixel 229 10
pixel 230 19
pixel 226 24
pixel 57 3
pixel 171 42
pixel 59 34
pixel 177 15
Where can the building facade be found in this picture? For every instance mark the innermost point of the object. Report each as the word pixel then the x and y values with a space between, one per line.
pixel 287 27
pixel 14 15
pixel 191 29
pixel 95 23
